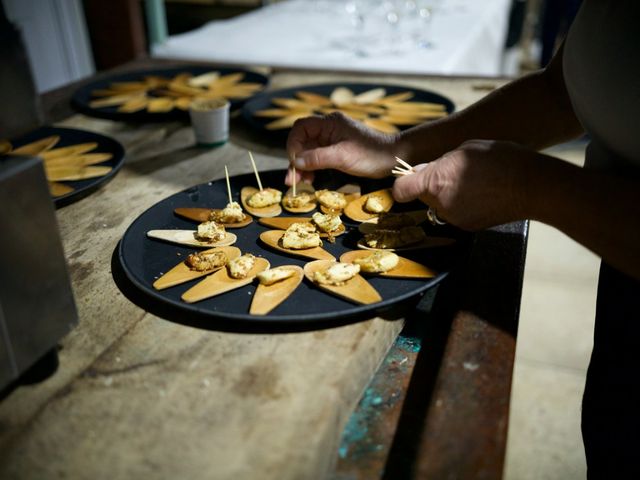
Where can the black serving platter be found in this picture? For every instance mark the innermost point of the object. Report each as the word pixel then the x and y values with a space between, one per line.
pixel 72 136
pixel 263 100
pixel 83 96
pixel 143 260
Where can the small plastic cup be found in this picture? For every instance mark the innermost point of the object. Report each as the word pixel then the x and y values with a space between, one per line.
pixel 210 121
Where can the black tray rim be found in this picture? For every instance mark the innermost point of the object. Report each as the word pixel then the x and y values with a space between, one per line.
pixel 354 313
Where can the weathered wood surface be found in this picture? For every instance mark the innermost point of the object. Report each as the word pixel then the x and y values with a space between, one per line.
pixel 137 396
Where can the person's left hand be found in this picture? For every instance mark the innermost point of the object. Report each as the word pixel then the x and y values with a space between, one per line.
pixel 480 184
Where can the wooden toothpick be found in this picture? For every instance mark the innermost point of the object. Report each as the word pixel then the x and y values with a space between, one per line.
pixel 226 174
pixel 295 180
pixel 255 170
pixel 403 169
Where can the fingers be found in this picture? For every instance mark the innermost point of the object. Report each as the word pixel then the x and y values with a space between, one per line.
pixel 307 133
pixel 322 158
pixel 412 187
pixel 306 177
pixel 289 178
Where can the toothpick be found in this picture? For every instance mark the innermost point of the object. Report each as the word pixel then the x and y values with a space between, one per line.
pixel 226 174
pixel 255 170
pixel 403 169
pixel 403 163
pixel 295 180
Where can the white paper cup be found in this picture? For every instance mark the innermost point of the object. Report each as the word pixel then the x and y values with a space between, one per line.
pixel 210 121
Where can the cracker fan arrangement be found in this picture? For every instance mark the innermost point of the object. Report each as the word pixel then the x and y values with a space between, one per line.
pixel 65 166
pixel 375 108
pixel 161 94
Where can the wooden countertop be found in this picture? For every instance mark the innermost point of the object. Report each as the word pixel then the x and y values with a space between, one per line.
pixel 137 396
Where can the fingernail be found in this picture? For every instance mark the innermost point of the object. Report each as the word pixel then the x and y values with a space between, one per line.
pixel 299 162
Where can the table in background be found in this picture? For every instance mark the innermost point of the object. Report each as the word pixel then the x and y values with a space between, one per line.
pixel 137 396
pixel 468 37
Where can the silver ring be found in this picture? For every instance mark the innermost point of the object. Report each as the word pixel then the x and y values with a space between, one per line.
pixel 433 217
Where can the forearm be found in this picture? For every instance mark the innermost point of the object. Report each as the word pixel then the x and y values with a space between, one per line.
pixel 599 210
pixel 533 111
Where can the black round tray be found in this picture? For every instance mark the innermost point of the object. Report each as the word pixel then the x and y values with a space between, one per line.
pixel 263 101
pixel 72 136
pixel 143 260
pixel 82 97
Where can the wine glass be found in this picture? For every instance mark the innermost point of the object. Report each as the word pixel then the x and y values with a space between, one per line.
pixel 424 13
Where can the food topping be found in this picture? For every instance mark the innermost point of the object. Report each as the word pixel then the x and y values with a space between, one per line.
pixel 239 267
pixel 206 260
pixel 264 198
pixel 210 232
pixel 394 238
pixel 302 199
pixel 326 222
pixel 331 199
pixel 374 204
pixel 232 213
pixel 395 221
pixel 300 236
pixel 378 262
pixel 337 274
pixel 274 275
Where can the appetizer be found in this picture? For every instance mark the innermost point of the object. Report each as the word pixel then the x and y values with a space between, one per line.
pixel 393 221
pixel 196 266
pixel 275 275
pixel 301 236
pixel 232 213
pixel 374 204
pixel 204 261
pixel 369 206
pixel 210 232
pixel 274 287
pixel 301 200
pixel 337 274
pixel 230 216
pixel 192 238
pixel 386 264
pixel 379 261
pixel 241 266
pixel 222 281
pixel 328 223
pixel 331 200
pixel 264 198
pixel 341 279
pixel 282 223
pixel 261 202
pixel 383 239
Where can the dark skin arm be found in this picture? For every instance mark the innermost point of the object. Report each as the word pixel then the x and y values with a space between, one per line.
pixel 481 183
pixel 533 111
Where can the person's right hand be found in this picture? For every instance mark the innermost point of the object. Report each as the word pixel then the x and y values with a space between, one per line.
pixel 338 142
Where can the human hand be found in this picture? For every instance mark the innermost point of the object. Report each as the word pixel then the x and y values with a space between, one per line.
pixel 338 142
pixel 478 185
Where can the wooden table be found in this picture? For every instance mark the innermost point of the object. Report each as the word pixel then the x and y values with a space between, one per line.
pixel 137 396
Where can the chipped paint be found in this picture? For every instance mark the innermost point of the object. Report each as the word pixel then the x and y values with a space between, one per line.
pixel 368 434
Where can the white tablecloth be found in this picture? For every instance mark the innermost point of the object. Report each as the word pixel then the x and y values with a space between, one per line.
pixel 466 37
